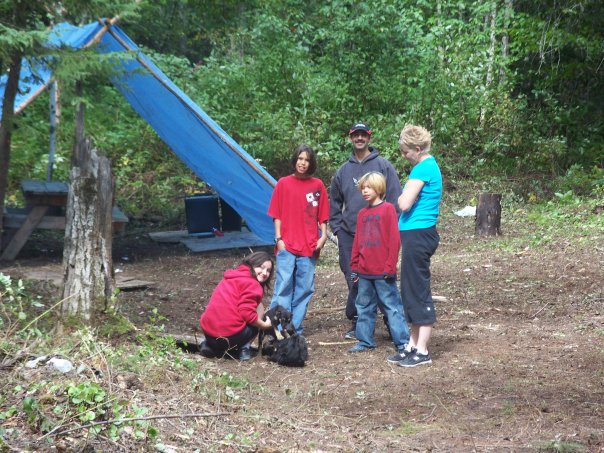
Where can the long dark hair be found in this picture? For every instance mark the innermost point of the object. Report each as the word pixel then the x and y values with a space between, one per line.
pixel 312 158
pixel 256 259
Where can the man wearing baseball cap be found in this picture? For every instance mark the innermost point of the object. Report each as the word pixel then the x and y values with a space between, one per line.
pixel 346 201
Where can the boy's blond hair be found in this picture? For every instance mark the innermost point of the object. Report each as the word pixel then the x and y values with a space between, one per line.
pixel 375 180
pixel 413 136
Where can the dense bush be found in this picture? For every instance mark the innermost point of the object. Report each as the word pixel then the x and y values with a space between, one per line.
pixel 276 74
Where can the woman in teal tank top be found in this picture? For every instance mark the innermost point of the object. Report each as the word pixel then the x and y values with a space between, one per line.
pixel 419 204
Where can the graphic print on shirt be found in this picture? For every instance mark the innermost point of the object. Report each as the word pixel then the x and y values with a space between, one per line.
pixel 312 199
pixel 370 234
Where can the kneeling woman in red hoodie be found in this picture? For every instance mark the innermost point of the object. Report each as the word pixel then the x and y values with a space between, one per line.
pixel 231 319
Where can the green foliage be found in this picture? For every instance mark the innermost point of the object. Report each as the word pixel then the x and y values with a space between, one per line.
pixel 209 384
pixel 585 182
pixel 276 74
pixel 566 217
pixel 114 325
pixel 557 446
pixel 48 404
pixel 87 398
pixel 19 312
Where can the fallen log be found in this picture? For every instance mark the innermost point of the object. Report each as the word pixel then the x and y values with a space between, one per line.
pixel 335 343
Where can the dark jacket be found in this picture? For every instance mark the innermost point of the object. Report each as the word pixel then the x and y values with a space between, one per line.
pixel 345 199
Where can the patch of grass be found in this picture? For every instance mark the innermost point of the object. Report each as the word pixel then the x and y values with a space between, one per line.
pixel 115 325
pixel 530 226
pixel 557 446
pixel 241 440
pixel 508 409
pixel 228 380
pixel 407 428
pixel 211 385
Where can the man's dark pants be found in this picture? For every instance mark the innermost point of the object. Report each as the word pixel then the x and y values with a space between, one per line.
pixel 345 241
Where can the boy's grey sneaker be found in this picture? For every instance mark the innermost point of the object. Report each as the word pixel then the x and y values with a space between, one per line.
pixel 351 335
pixel 415 359
pixel 399 356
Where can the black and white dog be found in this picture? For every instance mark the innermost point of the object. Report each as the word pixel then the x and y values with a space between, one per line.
pixel 283 344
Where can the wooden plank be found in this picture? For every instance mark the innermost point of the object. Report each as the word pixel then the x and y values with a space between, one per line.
pixel 230 240
pixel 50 193
pixel 126 284
pixel 28 219
pixel 44 187
pixel 13 219
pixel 22 235
pixel 169 236
pixel 54 274
pixel 190 339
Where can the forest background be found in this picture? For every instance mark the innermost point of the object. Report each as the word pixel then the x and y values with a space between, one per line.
pixel 512 91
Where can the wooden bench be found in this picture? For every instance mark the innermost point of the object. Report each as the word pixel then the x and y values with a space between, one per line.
pixel 14 218
pixel 45 209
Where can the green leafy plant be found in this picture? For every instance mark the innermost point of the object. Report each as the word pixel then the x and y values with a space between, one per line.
pixel 12 298
pixel 88 398
pixel 19 311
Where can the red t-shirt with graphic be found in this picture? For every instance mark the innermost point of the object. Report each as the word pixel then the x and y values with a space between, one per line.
pixel 301 204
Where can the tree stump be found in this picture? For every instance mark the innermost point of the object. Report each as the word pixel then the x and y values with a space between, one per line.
pixel 87 260
pixel 488 215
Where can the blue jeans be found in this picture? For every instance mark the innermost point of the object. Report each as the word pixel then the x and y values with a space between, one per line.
pixel 294 285
pixel 389 300
pixel 345 241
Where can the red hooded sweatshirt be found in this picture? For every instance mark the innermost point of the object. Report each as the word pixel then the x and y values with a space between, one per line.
pixel 233 303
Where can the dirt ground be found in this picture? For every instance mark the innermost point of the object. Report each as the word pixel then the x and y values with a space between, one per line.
pixel 518 354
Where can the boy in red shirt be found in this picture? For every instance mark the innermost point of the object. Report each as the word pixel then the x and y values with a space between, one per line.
pixel 299 207
pixel 373 265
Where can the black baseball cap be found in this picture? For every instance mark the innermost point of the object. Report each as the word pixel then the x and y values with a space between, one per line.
pixel 359 127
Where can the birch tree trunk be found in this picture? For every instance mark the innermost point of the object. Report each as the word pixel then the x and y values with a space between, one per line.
pixel 490 22
pixel 87 261
pixel 505 38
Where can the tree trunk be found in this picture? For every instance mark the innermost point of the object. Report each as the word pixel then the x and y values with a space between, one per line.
pixel 87 261
pixel 488 215
pixel 489 22
pixel 505 39
pixel 6 129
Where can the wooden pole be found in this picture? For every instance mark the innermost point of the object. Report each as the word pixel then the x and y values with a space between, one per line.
pixel 488 215
pixel 53 128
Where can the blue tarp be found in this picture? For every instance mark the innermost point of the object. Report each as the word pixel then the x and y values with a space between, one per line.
pixel 197 140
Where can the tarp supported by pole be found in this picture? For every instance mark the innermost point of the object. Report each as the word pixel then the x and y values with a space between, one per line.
pixel 193 136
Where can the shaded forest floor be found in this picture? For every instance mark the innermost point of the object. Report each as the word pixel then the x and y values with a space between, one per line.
pixel 518 354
